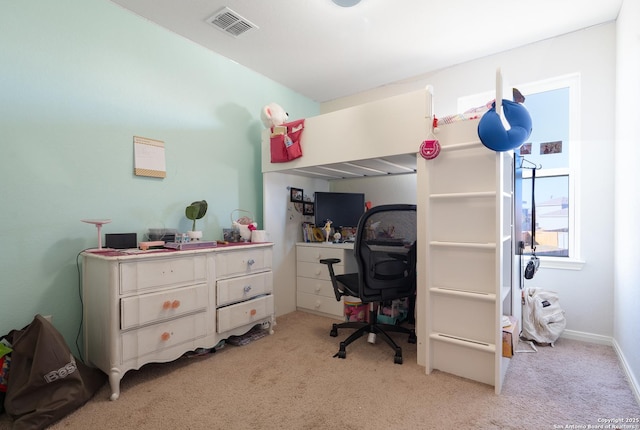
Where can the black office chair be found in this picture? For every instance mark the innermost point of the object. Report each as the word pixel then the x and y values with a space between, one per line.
pixel 385 251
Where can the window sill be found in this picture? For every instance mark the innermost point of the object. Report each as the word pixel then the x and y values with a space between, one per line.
pixel 561 263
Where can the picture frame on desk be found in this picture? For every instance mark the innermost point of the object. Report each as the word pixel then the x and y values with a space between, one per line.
pixel 307 208
pixel 297 195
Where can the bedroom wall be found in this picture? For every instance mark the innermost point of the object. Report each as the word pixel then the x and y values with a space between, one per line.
pixel 381 190
pixel 78 80
pixel 586 295
pixel 627 199
pixel 283 222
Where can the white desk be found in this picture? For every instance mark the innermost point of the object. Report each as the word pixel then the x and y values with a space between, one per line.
pixel 314 292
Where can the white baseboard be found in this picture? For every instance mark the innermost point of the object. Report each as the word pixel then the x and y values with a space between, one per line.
pixel 587 337
pixel 633 382
pixel 606 340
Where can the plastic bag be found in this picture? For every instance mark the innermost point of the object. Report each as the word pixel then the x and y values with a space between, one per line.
pixel 46 382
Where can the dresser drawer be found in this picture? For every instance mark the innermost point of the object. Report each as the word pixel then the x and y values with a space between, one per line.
pixel 244 287
pixel 317 270
pixel 244 313
pixel 326 305
pixel 313 254
pixel 243 262
pixel 319 287
pixel 144 309
pixel 147 340
pixel 162 272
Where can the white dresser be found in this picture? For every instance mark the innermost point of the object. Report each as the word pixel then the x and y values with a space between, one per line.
pixel 155 306
pixel 314 291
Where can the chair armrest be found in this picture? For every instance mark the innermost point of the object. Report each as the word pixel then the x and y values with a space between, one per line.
pixel 329 261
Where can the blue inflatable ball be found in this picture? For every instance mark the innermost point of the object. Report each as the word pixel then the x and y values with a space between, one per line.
pixel 494 136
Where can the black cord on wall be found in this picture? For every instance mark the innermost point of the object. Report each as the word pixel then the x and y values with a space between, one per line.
pixel 81 304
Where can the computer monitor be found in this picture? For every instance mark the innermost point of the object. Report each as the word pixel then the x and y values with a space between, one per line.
pixel 343 209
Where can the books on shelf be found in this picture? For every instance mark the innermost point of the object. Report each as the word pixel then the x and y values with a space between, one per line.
pixel 311 233
pixel 307 232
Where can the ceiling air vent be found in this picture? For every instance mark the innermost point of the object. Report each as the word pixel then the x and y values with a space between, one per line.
pixel 230 22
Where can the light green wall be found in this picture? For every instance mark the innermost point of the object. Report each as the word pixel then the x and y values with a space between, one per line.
pixel 79 79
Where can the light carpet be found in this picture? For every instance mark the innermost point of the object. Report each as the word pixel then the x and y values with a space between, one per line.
pixel 290 380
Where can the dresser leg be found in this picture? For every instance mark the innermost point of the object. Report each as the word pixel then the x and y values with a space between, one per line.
pixel 114 382
pixel 271 324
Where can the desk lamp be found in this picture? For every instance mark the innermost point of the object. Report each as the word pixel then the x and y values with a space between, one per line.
pixel 98 223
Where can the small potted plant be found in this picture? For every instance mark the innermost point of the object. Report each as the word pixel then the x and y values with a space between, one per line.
pixel 194 211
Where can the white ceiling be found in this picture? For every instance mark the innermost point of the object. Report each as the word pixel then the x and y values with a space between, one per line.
pixel 324 51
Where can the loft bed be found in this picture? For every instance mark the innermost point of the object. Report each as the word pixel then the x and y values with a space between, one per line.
pixel 464 217
pixel 373 139
pixel 355 142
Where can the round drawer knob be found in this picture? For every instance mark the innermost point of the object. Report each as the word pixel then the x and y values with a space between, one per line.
pixel 251 262
pixel 253 312
pixel 175 304
pixel 166 305
pixel 165 336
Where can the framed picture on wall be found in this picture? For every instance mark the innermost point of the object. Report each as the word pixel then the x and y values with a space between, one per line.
pixel 525 149
pixel 307 209
pixel 297 195
pixel 551 148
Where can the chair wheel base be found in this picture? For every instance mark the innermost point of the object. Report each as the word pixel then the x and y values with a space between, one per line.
pixel 412 337
pixel 397 359
pixel 342 352
pixel 334 331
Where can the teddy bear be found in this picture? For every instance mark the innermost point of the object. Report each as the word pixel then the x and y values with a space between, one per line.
pixel 273 114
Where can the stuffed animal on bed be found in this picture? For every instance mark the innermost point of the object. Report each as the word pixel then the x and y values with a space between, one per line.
pixel 273 114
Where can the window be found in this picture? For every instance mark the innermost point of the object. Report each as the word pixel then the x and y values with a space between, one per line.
pixel 553 105
pixel 552 214
pixel 548 148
